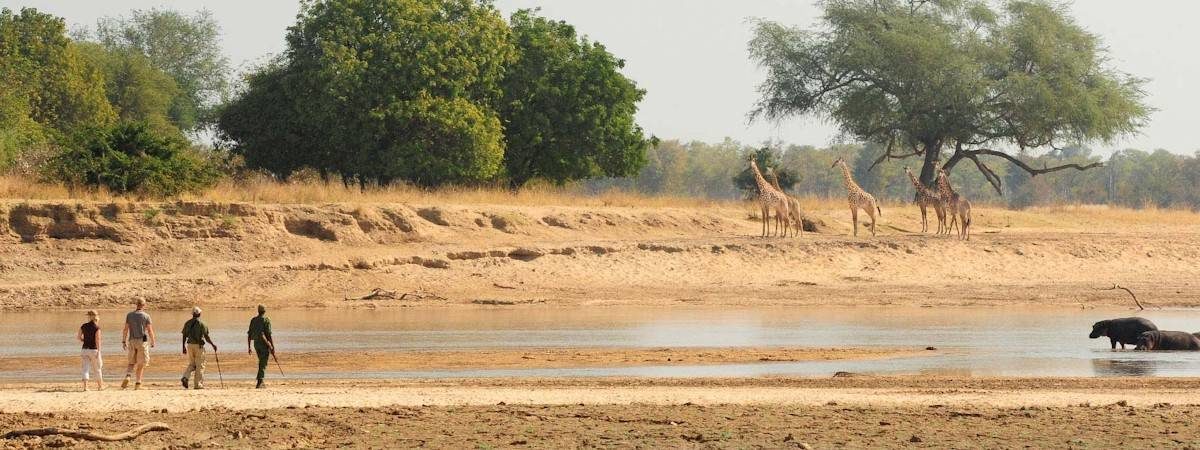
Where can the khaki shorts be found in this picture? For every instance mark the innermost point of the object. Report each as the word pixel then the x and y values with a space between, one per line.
pixel 139 353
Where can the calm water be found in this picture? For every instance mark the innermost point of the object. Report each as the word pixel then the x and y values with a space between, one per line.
pixel 1011 342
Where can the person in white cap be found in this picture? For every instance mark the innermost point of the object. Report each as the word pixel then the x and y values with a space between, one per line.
pixel 89 335
pixel 195 333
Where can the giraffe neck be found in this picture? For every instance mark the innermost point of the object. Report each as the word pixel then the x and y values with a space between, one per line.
pixel 944 184
pixel 763 186
pixel 848 179
pixel 921 188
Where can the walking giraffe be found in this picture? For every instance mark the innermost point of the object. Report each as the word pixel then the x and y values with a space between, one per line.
pixel 769 198
pixel 859 199
pixel 957 205
pixel 926 198
pixel 947 193
pixel 794 212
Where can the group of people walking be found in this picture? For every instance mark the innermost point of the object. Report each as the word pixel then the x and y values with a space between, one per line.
pixel 138 337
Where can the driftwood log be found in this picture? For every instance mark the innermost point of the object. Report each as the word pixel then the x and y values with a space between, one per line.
pixel 89 435
pixel 375 294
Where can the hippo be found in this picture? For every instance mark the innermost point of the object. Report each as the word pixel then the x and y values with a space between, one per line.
pixel 1168 340
pixel 1124 331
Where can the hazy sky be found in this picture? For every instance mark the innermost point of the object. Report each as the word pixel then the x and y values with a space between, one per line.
pixel 690 55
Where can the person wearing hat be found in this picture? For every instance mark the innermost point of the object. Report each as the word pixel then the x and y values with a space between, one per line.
pixel 195 333
pixel 137 339
pixel 89 335
pixel 264 344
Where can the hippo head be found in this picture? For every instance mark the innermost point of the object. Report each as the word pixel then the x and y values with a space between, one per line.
pixel 1100 329
pixel 1147 341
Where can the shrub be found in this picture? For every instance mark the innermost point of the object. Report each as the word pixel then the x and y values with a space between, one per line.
pixel 130 158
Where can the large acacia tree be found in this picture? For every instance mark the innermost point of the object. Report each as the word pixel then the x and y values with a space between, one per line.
pixel 928 77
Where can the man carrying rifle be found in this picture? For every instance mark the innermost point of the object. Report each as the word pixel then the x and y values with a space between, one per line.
pixel 264 345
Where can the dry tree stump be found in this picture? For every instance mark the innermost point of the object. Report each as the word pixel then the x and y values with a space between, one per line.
pixel 89 435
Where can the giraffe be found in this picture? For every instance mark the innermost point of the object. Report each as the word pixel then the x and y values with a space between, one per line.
pixel 769 198
pixel 794 212
pixel 928 198
pixel 960 207
pixel 859 199
pixel 946 192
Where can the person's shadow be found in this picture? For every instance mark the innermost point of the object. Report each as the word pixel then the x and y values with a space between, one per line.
pixel 1124 367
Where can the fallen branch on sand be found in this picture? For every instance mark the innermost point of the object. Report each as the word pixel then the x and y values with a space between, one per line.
pixel 88 435
pixel 375 294
pixel 1135 299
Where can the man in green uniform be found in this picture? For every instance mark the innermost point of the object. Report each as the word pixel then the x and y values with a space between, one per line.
pixel 264 345
pixel 195 333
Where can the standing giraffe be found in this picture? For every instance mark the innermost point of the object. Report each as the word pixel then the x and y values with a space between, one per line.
pixel 794 212
pixel 769 198
pixel 961 208
pixel 859 199
pixel 928 198
pixel 946 192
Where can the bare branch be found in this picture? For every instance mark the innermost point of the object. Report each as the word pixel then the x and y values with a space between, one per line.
pixel 987 172
pixel 1026 167
pixel 90 435
pixel 1135 299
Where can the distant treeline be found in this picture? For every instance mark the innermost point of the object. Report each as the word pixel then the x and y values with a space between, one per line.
pixel 1131 178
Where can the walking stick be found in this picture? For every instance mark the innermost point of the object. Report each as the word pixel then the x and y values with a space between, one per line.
pixel 219 374
pixel 277 365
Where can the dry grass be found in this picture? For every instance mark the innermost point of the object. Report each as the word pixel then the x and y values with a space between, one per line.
pixel 314 192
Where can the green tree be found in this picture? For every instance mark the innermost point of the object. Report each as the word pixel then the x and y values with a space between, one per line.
pixel 40 64
pixel 381 91
pixel 186 47
pixel 134 88
pixel 567 109
pixel 130 157
pixel 926 76
pixel 766 158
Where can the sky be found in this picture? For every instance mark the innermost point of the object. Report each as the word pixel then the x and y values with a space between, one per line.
pixel 690 55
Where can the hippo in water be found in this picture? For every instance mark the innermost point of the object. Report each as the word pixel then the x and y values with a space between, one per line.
pixel 1123 331
pixel 1168 340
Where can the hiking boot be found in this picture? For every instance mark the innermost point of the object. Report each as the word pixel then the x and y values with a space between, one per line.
pixel 125 382
pixel 184 381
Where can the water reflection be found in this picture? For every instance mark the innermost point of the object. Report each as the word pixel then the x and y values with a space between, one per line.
pixel 984 341
pixel 1124 367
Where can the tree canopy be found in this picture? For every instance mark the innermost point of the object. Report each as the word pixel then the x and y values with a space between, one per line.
pixel 927 76
pixel 380 91
pixel 568 111
pixel 436 92
pixel 186 47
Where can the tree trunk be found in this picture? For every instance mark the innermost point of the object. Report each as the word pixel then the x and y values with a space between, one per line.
pixel 933 154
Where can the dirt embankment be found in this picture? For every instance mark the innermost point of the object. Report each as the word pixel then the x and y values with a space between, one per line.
pixel 69 255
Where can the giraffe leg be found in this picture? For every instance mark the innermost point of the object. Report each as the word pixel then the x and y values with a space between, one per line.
pixel 854 218
pixel 941 216
pixel 924 219
pixel 765 213
pixel 871 212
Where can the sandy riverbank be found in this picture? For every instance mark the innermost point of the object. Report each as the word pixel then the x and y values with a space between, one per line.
pixel 855 412
pixel 165 363
pixel 64 255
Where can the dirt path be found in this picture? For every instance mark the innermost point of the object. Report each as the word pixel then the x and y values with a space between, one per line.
pixel 1007 393
pixel 166 364
pixel 756 413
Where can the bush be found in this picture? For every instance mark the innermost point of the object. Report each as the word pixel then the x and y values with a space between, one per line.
pixel 130 158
